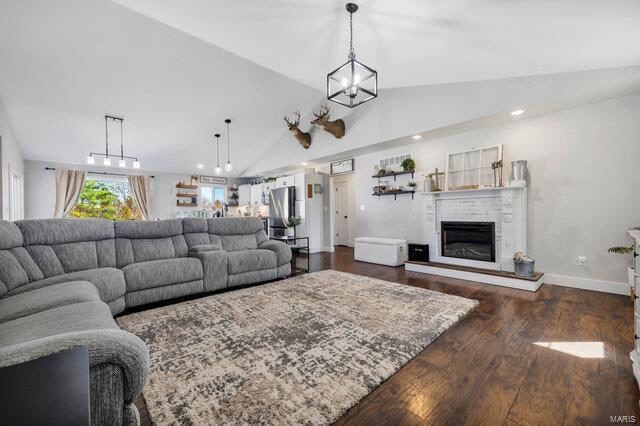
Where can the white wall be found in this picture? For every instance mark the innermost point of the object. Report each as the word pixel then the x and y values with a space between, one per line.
pixel 10 158
pixel 40 189
pixel 583 190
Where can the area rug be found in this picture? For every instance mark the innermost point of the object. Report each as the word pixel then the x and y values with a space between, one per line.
pixel 298 351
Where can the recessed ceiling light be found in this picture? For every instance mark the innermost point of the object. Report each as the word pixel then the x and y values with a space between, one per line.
pixel 517 112
pixel 200 166
pixel 304 164
pixel 416 137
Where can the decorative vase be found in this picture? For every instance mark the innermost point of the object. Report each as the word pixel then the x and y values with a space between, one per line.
pixel 291 232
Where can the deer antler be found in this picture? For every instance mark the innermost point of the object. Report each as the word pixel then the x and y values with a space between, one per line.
pixel 294 124
pixel 324 112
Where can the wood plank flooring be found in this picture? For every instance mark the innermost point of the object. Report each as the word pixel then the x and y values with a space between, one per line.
pixel 557 356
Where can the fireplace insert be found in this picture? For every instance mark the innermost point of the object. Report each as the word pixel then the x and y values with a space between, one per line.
pixel 468 240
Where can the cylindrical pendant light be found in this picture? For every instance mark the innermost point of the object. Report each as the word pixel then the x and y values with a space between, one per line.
pixel 228 167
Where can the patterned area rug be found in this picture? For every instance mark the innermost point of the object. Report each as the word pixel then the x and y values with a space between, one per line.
pixel 299 351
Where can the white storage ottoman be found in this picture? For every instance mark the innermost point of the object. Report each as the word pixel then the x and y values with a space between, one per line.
pixel 385 251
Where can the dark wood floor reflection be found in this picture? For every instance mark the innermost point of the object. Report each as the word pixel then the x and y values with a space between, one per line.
pixel 557 356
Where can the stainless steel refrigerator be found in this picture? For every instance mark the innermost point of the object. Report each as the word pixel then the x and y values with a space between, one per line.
pixel 282 205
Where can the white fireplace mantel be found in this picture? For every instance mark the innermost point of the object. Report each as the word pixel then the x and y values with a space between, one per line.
pixel 505 206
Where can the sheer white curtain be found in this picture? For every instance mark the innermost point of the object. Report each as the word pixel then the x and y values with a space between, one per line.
pixel 68 187
pixel 140 188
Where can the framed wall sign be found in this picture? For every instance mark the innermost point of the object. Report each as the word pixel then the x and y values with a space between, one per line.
pixel 343 166
pixel 213 180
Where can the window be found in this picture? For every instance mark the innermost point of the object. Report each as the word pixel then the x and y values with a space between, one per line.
pixel 107 199
pixel 212 197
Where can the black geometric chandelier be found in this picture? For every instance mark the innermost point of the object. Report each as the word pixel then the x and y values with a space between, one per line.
pixel 352 83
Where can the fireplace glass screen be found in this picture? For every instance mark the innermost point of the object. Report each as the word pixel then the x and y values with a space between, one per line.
pixel 468 240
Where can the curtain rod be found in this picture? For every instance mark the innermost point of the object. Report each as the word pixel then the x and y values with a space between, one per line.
pixel 100 173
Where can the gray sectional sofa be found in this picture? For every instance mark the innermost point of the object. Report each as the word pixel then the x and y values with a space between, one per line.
pixel 63 280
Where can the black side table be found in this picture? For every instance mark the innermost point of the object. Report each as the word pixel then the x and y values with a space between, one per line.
pixel 295 251
pixel 52 390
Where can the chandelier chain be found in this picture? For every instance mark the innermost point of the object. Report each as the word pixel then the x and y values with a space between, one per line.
pixel 106 136
pixel 352 53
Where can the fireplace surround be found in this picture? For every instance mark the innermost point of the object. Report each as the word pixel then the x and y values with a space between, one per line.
pixel 505 207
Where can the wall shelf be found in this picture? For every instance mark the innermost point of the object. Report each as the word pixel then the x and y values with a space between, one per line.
pixel 183 195
pixel 187 186
pixel 394 174
pixel 394 193
pixel 186 205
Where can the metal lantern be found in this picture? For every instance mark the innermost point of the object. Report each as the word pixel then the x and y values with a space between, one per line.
pixel 353 83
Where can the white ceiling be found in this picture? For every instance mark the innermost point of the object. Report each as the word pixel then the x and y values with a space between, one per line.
pixel 414 42
pixel 64 64
pixel 176 69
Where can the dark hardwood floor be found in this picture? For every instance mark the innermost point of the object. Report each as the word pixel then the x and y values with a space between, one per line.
pixel 557 356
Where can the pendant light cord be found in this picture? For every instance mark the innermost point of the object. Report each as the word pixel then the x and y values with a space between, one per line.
pixel 121 142
pixel 352 53
pixel 106 137
pixel 228 150
pixel 218 150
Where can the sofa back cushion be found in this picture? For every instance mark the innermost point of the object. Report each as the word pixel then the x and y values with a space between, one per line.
pixel 196 233
pixel 12 273
pixel 58 246
pixel 143 241
pixel 237 233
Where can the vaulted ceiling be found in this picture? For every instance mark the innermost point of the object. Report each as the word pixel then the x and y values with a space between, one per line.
pixel 175 69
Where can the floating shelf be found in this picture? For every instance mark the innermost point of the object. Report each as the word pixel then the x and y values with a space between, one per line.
pixel 186 205
pixel 187 186
pixel 394 193
pixel 182 195
pixel 394 174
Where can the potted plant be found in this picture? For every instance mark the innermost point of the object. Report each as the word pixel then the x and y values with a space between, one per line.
pixel 409 165
pixel 412 185
pixel 625 251
pixel 291 224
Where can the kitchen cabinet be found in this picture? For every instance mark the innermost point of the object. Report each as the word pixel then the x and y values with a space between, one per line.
pixel 284 181
pixel 266 188
pixel 244 195
pixel 256 194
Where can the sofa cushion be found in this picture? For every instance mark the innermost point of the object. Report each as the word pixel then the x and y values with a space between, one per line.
pixel 108 281
pixel 235 225
pixel 157 273
pixel 282 250
pixel 45 298
pixel 238 242
pixel 204 247
pixel 57 321
pixel 250 260
pixel 10 235
pixel 61 231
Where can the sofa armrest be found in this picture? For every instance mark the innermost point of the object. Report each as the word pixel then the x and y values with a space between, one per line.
pixel 282 250
pixel 214 266
pixel 204 248
pixel 106 346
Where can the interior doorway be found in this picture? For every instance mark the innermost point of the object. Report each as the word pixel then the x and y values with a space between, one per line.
pixel 15 195
pixel 344 207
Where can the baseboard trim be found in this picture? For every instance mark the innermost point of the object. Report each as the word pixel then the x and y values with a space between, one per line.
pixel 328 249
pixel 588 284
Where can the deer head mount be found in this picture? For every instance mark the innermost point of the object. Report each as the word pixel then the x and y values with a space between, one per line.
pixel 336 127
pixel 303 137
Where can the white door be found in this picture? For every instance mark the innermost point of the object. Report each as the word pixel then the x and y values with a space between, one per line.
pixel 15 195
pixel 343 220
pixel 244 195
